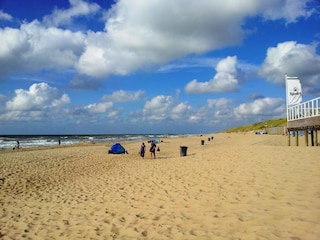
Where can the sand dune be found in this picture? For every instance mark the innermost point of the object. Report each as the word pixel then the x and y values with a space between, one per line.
pixel 236 186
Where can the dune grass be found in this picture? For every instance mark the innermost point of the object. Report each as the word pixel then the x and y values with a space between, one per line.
pixel 258 126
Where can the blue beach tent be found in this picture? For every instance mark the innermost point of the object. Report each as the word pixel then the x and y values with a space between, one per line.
pixel 117 149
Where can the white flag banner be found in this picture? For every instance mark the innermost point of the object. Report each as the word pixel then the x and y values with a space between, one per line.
pixel 294 94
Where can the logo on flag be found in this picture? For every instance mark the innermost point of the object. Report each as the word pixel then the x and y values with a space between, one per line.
pixel 294 94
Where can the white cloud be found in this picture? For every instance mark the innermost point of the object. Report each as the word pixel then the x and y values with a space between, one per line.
pixel 219 103
pixel 225 79
pixel 62 101
pixel 14 116
pixel 64 17
pixel 99 107
pixel 124 96
pixel 5 16
pixel 158 107
pixel 140 35
pixel 297 60
pixel 162 108
pixel 95 113
pixel 290 10
pixel 261 107
pixel 39 97
pixel 180 111
pixel 33 47
pixel 39 102
pixel 113 114
pixel 137 35
pixel 12 41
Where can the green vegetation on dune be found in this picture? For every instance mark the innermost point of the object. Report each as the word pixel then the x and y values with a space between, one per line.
pixel 259 126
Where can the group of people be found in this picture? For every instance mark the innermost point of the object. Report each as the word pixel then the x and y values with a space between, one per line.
pixel 152 150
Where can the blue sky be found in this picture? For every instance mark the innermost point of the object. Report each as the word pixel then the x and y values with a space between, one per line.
pixel 157 66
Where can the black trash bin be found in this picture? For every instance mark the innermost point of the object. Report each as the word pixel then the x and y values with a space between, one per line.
pixel 183 151
pixel 202 142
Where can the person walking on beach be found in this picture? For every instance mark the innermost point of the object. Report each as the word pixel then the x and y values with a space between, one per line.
pixel 17 146
pixel 153 149
pixel 142 150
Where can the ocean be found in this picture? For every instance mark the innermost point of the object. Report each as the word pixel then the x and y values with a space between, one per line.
pixel 31 141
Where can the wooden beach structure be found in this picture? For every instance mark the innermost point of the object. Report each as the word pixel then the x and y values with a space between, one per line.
pixel 303 118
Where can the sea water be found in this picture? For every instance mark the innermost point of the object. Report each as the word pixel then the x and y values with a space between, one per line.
pixel 30 141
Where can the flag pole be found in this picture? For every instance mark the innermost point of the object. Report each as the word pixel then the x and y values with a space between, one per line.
pixel 287 105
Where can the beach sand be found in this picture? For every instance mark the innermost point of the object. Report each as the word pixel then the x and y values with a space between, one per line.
pixel 236 186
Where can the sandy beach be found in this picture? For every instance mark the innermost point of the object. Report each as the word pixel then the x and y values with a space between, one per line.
pixel 236 186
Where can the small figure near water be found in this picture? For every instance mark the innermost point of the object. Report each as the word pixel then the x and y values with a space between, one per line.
pixel 17 146
pixel 142 150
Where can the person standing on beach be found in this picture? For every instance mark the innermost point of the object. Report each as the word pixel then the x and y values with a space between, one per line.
pixel 142 150
pixel 153 149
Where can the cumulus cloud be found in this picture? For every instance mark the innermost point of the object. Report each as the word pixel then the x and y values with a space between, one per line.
pixel 99 107
pixel 222 109
pixel 141 35
pixel 261 107
pixel 225 80
pixel 64 17
pixel 290 10
pixel 157 108
pixel 34 47
pixel 294 59
pixel 180 110
pixel 93 113
pixel 219 102
pixel 39 102
pixel 38 97
pixel 163 107
pixel 136 35
pixel 124 96
pixel 5 16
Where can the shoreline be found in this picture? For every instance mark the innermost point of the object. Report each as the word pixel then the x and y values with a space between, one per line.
pixel 234 186
pixel 42 141
pixel 36 148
